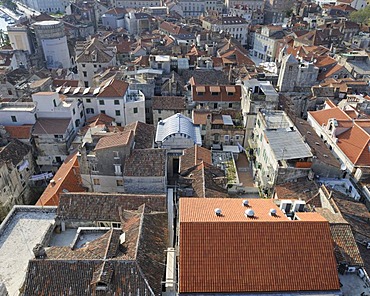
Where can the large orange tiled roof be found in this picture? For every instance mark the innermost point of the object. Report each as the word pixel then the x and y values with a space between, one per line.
pixel 196 210
pixel 354 141
pixel 322 116
pixel 235 254
pixel 67 178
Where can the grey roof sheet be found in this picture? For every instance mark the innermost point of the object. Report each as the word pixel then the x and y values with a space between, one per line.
pixel 175 124
pixel 287 144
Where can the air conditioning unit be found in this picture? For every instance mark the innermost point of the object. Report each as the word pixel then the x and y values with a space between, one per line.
pixel 351 269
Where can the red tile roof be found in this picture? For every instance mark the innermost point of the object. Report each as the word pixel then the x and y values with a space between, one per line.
pixel 220 93
pixel 322 116
pixel 19 132
pixel 119 139
pixel 235 254
pixel 67 178
pixel 113 88
pixel 354 138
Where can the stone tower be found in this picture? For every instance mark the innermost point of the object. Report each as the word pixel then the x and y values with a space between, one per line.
pixel 288 73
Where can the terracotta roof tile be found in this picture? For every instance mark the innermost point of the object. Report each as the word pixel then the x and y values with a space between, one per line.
pixel 193 156
pixel 217 93
pixel 113 88
pixel 146 163
pixel 52 126
pixel 144 134
pixel 105 207
pixel 115 140
pixel 322 116
pixel 218 244
pixel 19 132
pixel 200 117
pixel 66 178
pixel 169 103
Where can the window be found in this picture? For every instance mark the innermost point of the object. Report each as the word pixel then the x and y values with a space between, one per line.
pixel 135 110
pixel 86 84
pixel 116 102
pixel 89 110
pixel 290 68
pixel 10 92
pixel 88 100
pixel 96 181
pixel 73 111
pixel 84 73
pixel 83 65
pixel 119 182
pixel 115 155
pixel 55 104
pixel 117 169
pixel 227 138
pixel 101 102
pixel 14 118
pixel 102 111
pixel 118 112
pixel 81 114
pixel 214 93
pixel 77 123
pixel 230 105
pixel 159 111
pixel 215 105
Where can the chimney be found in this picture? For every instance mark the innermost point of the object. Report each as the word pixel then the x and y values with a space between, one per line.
pixel 39 251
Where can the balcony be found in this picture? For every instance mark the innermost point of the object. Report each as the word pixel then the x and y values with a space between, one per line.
pixel 257 97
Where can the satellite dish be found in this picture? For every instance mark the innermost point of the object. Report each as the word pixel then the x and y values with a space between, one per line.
pixel 249 213
pixel 343 167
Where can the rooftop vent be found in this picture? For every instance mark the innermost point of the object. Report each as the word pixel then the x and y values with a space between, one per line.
pixel 52 182
pixel 218 212
pixel 39 251
pixel 249 213
pixel 272 212
pixel 245 202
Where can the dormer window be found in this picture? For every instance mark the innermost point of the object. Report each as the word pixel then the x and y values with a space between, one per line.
pixel 215 90
pixel 200 90
pixel 101 286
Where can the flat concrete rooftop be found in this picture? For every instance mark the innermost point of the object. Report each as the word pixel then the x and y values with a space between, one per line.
pixel 23 228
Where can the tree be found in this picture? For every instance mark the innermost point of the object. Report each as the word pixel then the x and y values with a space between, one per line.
pixel 361 16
